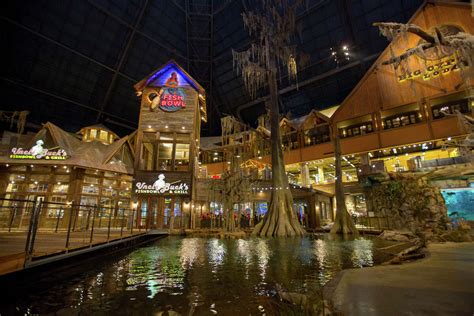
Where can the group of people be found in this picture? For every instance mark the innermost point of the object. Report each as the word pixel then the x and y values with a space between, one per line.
pixel 244 220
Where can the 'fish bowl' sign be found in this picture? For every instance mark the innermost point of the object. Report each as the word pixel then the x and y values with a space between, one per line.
pixel 171 95
pixel 160 186
pixel 38 152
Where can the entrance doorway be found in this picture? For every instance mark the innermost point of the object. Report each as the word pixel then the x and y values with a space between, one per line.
pixel 160 212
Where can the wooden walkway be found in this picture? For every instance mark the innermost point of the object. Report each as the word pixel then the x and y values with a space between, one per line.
pixel 51 244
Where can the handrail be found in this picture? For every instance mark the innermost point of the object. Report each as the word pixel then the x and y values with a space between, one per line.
pixel 68 221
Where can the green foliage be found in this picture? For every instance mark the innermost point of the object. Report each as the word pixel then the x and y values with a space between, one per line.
pixel 393 190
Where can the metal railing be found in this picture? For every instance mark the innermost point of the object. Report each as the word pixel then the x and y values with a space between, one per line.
pixel 38 228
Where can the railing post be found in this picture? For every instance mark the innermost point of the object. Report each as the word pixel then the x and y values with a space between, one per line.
pixel 133 220
pixel 110 221
pixel 92 227
pixel 12 219
pixel 100 217
pixel 30 239
pixel 88 218
pixel 57 220
pixel 121 225
pixel 76 215
pixel 69 226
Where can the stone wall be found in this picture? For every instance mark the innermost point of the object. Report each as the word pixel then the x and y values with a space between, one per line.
pixel 409 202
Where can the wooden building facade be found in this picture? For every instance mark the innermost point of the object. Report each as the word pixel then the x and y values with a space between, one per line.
pixel 172 108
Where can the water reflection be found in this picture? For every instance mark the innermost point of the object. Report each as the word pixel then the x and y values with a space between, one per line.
pixel 197 276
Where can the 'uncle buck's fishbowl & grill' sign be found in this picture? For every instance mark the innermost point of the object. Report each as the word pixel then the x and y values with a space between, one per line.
pixel 159 184
pixel 38 152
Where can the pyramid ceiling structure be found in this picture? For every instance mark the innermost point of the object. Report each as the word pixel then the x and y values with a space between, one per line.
pixel 75 63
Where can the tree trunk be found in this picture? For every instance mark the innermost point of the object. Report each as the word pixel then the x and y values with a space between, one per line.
pixel 229 219
pixel 343 223
pixel 280 219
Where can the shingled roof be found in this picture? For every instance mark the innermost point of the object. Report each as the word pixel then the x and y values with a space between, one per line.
pixel 93 155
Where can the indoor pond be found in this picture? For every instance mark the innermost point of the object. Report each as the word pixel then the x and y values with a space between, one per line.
pixel 198 276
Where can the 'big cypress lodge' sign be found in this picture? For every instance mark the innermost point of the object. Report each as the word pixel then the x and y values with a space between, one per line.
pixel 443 67
pixel 38 152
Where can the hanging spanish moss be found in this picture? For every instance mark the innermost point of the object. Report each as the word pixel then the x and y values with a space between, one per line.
pixel 272 27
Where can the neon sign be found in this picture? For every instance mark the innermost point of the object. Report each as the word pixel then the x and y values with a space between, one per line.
pixel 38 152
pixel 171 97
pixel 160 186
pixel 432 71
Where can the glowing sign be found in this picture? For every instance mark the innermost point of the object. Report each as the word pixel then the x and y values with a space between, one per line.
pixel 38 152
pixel 432 71
pixel 170 97
pixel 160 186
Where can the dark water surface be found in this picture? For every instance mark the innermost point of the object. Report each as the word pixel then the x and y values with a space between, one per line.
pixel 196 276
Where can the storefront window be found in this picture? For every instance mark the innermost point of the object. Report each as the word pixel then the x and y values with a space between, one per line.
pixel 109 192
pixel 56 211
pixel 12 187
pixel 38 187
pixel 143 212
pixel 88 200
pixel 60 188
pixel 90 189
pixel 177 207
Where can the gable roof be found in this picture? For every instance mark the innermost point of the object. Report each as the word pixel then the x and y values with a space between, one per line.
pixel 94 155
pixel 367 86
pixel 158 72
pixel 299 122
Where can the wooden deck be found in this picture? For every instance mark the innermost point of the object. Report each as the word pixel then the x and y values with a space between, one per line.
pixel 49 245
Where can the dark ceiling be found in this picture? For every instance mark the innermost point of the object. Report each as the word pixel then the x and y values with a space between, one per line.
pixel 74 62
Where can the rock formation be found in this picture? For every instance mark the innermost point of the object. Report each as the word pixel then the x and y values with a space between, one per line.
pixel 409 202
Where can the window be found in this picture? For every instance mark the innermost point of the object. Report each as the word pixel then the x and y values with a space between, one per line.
pixel 169 152
pixel 38 187
pixel 450 108
pixel 90 189
pixel 60 188
pixel 88 200
pixel 182 157
pixel 92 180
pixel 317 135
pixel 357 129
pixel 165 156
pixel 401 119
pixel 54 210
pixel 93 133
pixel 325 215
pixel 103 136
